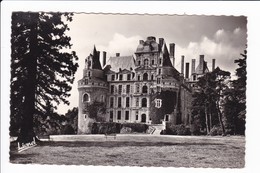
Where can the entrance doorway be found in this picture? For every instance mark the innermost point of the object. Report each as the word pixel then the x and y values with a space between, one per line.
pixel 143 118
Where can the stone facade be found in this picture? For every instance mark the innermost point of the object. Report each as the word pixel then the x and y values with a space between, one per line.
pixel 145 88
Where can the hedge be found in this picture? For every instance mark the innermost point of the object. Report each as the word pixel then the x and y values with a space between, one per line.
pixel 180 129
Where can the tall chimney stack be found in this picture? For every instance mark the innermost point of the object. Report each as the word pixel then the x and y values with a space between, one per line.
pixel 104 58
pixel 187 70
pixel 193 61
pixel 213 64
pixel 182 64
pixel 117 54
pixel 172 53
pixel 201 63
pixel 161 41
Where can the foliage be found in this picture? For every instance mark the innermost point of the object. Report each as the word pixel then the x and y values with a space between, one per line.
pixel 136 127
pixel 180 129
pixel 105 127
pixel 41 68
pixel 72 118
pixel 216 130
pixel 96 110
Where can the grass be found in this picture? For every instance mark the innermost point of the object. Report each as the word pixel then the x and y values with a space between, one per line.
pixel 156 151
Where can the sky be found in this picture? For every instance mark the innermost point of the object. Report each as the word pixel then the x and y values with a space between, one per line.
pixel 219 37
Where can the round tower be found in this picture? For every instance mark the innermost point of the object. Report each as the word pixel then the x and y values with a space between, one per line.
pixel 92 89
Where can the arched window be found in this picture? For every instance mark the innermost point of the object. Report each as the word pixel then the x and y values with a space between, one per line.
pixel 145 76
pixel 144 89
pixel 146 62
pixel 86 97
pixel 144 102
pixel 152 77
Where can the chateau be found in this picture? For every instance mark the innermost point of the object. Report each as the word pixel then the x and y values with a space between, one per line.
pixel 144 88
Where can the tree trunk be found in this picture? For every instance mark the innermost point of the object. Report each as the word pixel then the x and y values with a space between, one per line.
pixel 220 119
pixel 26 132
pixel 206 119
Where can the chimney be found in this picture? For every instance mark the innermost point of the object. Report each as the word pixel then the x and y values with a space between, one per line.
pixel 117 54
pixel 98 54
pixel 201 62
pixel 161 41
pixel 182 64
pixel 213 64
pixel 104 58
pixel 141 41
pixel 193 61
pixel 187 70
pixel 172 52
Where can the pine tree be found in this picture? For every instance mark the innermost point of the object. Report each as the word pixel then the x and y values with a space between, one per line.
pixel 41 68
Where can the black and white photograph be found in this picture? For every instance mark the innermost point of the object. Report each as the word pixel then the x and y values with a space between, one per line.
pixel 127 89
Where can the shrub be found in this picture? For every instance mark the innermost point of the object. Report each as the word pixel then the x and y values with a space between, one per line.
pixel 180 129
pixel 135 127
pixel 105 127
pixel 67 130
pixel 195 129
pixel 216 130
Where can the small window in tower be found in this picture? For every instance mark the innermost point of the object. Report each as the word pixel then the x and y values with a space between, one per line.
pixel 102 98
pixel 136 115
pixel 160 61
pixel 86 97
pixel 139 62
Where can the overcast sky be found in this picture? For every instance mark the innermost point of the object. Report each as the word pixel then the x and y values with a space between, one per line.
pixel 219 37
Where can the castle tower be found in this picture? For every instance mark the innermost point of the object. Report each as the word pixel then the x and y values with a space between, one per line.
pixel 92 88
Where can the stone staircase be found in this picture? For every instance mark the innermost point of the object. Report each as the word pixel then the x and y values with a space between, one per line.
pixel 155 129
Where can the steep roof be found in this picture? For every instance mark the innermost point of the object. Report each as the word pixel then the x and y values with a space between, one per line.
pixel 166 59
pixel 96 62
pixel 202 68
pixel 121 62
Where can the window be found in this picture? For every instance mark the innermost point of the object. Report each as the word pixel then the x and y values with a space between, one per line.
pixel 102 98
pixel 152 77
pixel 119 115
pixel 145 76
pixel 112 89
pixel 152 62
pixel 127 102
pixel 128 76
pixel 111 102
pixel 126 115
pixel 144 102
pixel 194 77
pixel 144 89
pixel 158 80
pixel 120 77
pixel 160 61
pixel 146 62
pixel 167 117
pixel 159 71
pixel 137 88
pixel 119 102
pixel 120 89
pixel 138 77
pixel 139 62
pixel 158 103
pixel 127 88
pixel 137 102
pixel 133 75
pixel 113 77
pixel 89 73
pixel 111 115
pixel 136 115
pixel 86 97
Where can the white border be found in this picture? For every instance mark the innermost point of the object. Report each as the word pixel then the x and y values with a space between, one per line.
pixel 249 9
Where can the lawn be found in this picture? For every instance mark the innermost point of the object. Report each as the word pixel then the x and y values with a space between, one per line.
pixel 166 151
